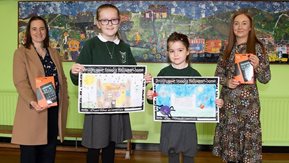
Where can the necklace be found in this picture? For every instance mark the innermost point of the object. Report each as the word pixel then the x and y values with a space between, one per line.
pixel 41 51
pixel 110 53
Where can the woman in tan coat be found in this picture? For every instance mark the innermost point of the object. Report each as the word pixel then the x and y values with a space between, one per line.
pixel 36 128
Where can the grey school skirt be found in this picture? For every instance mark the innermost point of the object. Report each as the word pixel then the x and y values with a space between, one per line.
pixel 100 129
pixel 181 137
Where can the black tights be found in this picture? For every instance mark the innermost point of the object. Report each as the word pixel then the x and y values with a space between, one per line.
pixel 174 157
pixel 107 154
pixel 38 153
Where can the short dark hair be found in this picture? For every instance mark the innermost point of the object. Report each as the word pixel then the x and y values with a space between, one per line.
pixel 179 37
pixel 28 41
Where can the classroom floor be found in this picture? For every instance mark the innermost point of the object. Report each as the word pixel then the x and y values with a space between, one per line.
pixel 11 155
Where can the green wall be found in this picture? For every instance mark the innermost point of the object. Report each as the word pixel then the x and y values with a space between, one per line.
pixel 274 96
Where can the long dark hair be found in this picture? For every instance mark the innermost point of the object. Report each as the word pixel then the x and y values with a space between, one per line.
pixel 252 38
pixel 28 41
pixel 179 37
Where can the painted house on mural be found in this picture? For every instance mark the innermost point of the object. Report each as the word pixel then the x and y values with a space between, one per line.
pixel 156 12
pixel 84 21
pixel 282 53
pixel 213 46
pixel 197 46
pixel 213 49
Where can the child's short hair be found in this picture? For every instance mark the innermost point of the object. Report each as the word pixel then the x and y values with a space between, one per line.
pixel 175 36
pixel 178 37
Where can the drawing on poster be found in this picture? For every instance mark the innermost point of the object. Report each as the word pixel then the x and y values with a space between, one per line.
pixel 185 99
pixel 105 89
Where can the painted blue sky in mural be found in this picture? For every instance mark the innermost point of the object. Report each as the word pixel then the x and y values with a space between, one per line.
pixel 192 9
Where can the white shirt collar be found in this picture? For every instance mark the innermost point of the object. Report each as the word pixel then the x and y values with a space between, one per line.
pixel 116 40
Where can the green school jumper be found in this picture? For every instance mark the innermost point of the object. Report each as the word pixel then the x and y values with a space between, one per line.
pixel 179 136
pixel 98 129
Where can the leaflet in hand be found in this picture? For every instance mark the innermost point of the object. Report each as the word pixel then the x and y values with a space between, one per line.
pixel 244 71
pixel 45 91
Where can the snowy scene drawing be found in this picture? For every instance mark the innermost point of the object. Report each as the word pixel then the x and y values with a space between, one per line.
pixel 111 89
pixel 185 99
pixel 145 26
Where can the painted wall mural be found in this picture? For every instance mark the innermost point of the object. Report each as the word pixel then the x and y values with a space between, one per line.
pixel 145 25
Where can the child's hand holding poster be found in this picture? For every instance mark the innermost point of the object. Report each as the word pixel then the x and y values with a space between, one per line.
pixel 244 71
pixel 46 95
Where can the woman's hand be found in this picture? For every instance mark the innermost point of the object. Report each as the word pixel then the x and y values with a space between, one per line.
pixel 37 107
pixel 232 83
pixel 148 78
pixel 254 60
pixel 77 68
pixel 150 94
pixel 220 103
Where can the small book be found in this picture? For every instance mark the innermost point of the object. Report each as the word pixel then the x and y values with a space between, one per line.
pixel 45 91
pixel 244 71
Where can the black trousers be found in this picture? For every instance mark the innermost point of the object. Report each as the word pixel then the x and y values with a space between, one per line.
pixel 43 153
pixel 107 154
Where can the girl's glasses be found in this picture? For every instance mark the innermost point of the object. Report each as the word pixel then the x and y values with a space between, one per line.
pixel 106 21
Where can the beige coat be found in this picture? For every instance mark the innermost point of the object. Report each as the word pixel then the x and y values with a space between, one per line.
pixel 30 126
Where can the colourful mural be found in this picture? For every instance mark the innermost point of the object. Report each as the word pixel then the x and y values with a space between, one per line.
pixel 145 25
